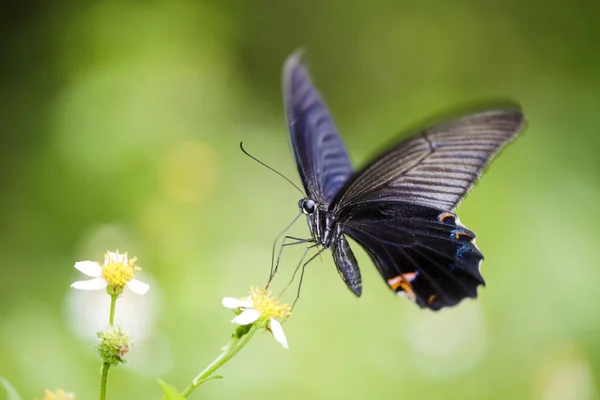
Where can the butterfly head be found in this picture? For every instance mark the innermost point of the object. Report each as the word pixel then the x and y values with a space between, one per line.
pixel 321 222
pixel 307 206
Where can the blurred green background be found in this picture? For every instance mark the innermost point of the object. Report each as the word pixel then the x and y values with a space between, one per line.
pixel 119 128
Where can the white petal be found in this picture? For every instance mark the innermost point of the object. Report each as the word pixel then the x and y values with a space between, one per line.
pixel 277 332
pixel 89 268
pixel 138 287
pixel 248 303
pixel 246 317
pixel 92 284
pixel 231 302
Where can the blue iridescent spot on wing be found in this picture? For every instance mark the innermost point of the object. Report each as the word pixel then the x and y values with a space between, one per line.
pixel 462 250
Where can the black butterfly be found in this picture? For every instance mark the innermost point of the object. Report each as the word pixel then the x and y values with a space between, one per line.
pixel 399 207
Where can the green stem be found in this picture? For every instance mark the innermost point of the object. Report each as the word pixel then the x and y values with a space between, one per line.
pixel 113 302
pixel 105 368
pixel 233 347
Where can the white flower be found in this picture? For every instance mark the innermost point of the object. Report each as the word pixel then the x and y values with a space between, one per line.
pixel 260 308
pixel 117 271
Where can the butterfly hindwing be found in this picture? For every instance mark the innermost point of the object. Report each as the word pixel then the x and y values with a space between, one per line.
pixel 421 252
pixel 319 152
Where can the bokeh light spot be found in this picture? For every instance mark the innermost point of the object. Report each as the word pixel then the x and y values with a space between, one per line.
pixel 565 375
pixel 449 342
pixel 189 172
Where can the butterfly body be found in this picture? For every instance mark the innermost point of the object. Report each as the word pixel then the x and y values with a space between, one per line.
pixel 400 206
pixel 328 233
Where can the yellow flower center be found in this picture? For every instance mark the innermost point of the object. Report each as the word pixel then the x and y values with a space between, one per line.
pixel 118 273
pixel 268 306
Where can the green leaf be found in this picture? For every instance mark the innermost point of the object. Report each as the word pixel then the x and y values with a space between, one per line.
pixel 10 390
pixel 170 392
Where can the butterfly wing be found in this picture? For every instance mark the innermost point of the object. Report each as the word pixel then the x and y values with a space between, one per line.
pixel 321 158
pixel 422 253
pixel 436 167
pixel 399 207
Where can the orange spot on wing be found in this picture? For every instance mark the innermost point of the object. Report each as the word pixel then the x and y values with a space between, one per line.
pixel 403 282
pixel 431 298
pixel 459 234
pixel 407 287
pixel 395 282
pixel 410 276
pixel 443 216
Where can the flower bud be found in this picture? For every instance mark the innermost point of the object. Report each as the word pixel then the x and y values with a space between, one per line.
pixel 114 344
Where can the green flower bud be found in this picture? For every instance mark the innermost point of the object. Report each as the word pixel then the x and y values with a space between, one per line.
pixel 114 344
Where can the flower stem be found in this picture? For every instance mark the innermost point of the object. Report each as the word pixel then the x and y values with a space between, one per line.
pixel 238 340
pixel 105 368
pixel 113 302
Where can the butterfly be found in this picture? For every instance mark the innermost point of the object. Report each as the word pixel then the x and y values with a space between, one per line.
pixel 400 206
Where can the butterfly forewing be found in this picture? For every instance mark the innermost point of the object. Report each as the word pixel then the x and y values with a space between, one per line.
pixel 436 167
pixel 320 155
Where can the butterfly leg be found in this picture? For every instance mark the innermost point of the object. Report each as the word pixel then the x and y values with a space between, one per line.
pixel 302 275
pixel 308 248
pixel 284 243
pixel 275 242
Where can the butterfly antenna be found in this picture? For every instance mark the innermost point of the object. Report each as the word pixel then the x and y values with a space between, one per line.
pixel 271 168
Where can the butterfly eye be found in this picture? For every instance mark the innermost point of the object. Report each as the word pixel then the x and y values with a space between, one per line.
pixel 307 206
